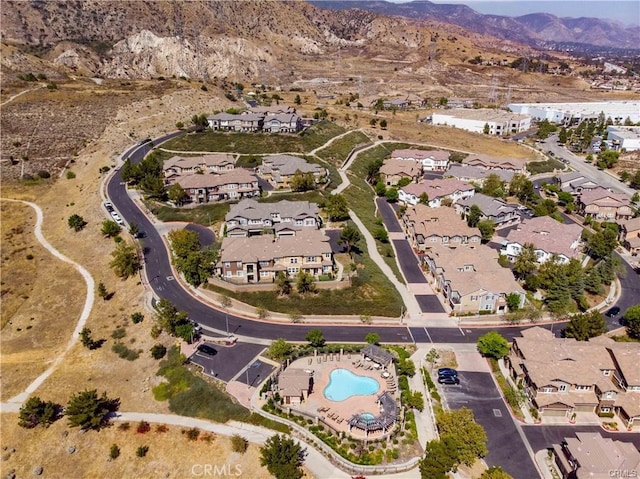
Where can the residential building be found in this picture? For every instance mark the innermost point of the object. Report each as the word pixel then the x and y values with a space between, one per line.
pixel 630 234
pixel 601 204
pixel 575 182
pixel 255 259
pixel 471 279
pixel 249 122
pixel 280 169
pixel 562 376
pixel 184 165
pixel 624 137
pixel 591 456
pixel 489 121
pixel 230 185
pixel 486 162
pixel 437 190
pixel 494 209
pixel 574 113
pixel 430 227
pixel 432 160
pixel 270 110
pixel 282 123
pixel 477 175
pixel 550 238
pixel 396 103
pixel 282 218
pixel 392 171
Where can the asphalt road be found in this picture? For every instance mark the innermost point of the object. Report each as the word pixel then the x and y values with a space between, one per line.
pixel 542 437
pixel 388 216
pixel 478 392
pixel 228 361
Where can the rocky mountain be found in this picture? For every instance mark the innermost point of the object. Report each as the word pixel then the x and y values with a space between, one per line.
pixel 537 29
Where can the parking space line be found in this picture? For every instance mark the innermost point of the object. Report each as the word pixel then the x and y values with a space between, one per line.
pixel 428 335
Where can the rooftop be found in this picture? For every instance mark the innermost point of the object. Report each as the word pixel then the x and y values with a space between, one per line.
pixel 460 171
pixel 548 235
pixel 251 209
pixel 443 221
pixel 437 188
pixel 483 114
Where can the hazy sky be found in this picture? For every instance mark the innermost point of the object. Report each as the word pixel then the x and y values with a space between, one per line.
pixel 625 11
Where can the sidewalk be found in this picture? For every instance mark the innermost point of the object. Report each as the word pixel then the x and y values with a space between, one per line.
pixel 425 420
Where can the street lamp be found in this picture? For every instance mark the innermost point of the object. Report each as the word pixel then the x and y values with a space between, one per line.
pixel 226 319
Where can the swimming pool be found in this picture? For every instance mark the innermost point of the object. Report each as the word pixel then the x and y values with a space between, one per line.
pixel 343 384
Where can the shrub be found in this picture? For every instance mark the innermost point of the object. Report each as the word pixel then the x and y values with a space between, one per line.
pixel 142 451
pixel 119 333
pixel 125 426
pixel 124 352
pixel 158 351
pixel 70 175
pixel 114 452
pixel 137 317
pixel 239 444
pixel 193 434
pixel 161 428
pixel 143 427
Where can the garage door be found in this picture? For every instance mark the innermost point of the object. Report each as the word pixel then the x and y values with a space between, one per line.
pixel 585 407
pixel 554 412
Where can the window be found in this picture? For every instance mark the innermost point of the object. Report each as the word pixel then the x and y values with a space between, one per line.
pixel 310 259
pixel 293 260
pixel 474 298
pixel 546 390
pixel 582 388
pixel 606 372
pixel 240 274
pixel 239 264
pixel 228 274
pixel 293 270
pixel 264 274
pixel 563 388
pixel 605 409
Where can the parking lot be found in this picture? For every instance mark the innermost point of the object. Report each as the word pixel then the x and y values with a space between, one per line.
pixel 228 360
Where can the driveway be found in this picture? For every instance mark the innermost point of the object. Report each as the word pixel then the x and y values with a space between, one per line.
pixel 408 262
pixel 388 215
pixel 478 392
pixel 255 372
pixel 542 437
pixel 229 360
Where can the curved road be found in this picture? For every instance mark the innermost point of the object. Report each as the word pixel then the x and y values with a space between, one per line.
pixel 160 277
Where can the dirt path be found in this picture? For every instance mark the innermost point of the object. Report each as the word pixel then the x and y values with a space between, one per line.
pixel 14 404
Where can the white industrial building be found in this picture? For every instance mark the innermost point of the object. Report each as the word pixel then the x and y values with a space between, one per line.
pixel 500 122
pixel 574 113
pixel 624 137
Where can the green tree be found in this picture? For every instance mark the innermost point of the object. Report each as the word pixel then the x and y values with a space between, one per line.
pixel 297 100
pixel 87 410
pixel 432 356
pixel 493 345
pixel 239 444
pixel 584 326
pixel 86 339
pixel 474 216
pixel 76 222
pixel 304 283
pixel 195 264
pixel 169 318
pixel 413 400
pixel 404 181
pixel 632 321
pixel 469 435
pixel 380 188
pixel 487 228
pixel 372 338
pixel 177 194
pixel 36 412
pixel 495 472
pixel 336 208
pixel 486 129
pixel 110 228
pixel 349 236
pixel 283 283
pixel 602 243
pixel 134 229
pixel 522 188
pixel 200 122
pixel 440 457
pixel 101 290
pixel 283 457
pixel 279 349
pixel 513 301
pixel 383 124
pixel 373 169
pixel 423 199
pixel 380 234
pixel 634 182
pixel 493 186
pixel 125 262
pixel 302 181
pixel 392 195
pixel 114 452
pixel 526 262
pixel 315 338
pixel 158 351
pixel 406 367
pixel 129 171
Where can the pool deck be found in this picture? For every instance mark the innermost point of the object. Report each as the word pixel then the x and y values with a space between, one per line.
pixel 338 413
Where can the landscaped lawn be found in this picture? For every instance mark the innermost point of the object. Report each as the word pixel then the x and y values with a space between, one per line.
pixel 256 143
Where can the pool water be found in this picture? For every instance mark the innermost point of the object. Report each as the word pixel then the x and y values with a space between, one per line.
pixel 367 417
pixel 343 384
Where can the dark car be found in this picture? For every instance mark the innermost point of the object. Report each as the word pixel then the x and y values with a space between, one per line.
pixel 442 372
pixel 613 312
pixel 448 380
pixel 207 349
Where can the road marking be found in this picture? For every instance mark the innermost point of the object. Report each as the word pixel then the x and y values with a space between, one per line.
pixel 428 335
pixel 410 334
pixel 497 413
pixel 170 278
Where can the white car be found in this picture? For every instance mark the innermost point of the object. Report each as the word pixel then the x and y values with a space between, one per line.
pixel 116 218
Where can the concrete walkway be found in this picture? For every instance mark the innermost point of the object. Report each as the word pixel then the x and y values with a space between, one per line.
pixel 413 308
pixel 425 420
pixel 14 404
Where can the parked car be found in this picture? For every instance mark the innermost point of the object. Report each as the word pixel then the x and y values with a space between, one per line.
pixel 447 372
pixel 109 207
pixel 196 326
pixel 448 380
pixel 613 312
pixel 116 218
pixel 207 349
